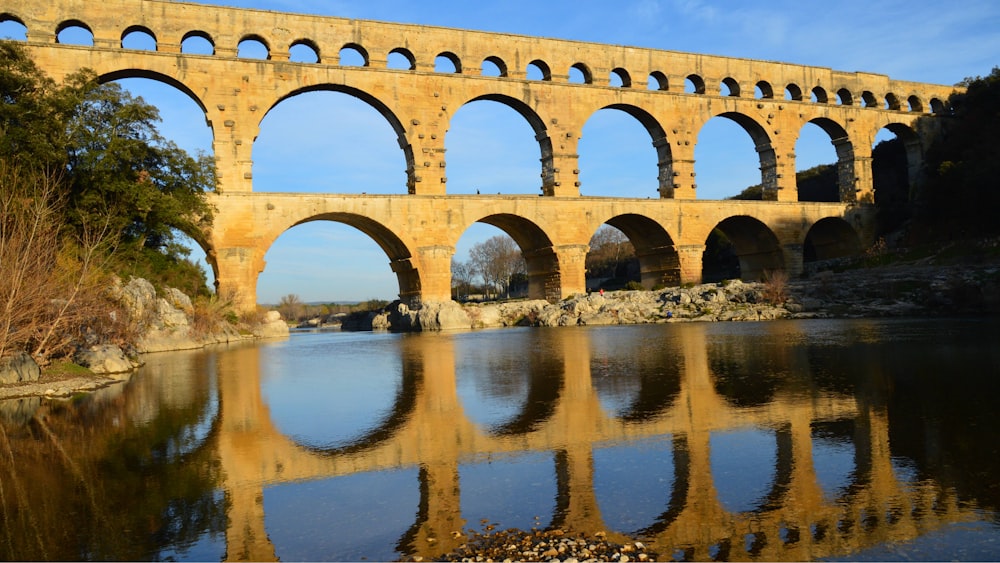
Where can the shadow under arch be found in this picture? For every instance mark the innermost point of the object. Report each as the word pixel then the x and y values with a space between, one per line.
pixel 545 389
pixel 659 263
pixel 765 152
pixel 658 138
pixel 375 103
pixel 845 157
pixel 747 241
pixel 829 238
pixel 539 255
pixel 400 257
pixel 541 135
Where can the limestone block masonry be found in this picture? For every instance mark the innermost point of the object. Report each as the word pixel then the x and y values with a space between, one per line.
pixel 419 227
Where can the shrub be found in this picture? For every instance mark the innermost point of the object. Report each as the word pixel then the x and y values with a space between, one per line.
pixel 775 289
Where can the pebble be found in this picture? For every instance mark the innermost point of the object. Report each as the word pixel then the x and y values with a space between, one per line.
pixel 544 545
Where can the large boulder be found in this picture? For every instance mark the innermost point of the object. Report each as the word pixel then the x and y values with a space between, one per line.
pixel 105 359
pixel 447 315
pixel 272 326
pixel 18 368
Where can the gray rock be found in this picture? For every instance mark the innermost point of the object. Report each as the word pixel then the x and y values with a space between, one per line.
pixel 18 368
pixel 105 359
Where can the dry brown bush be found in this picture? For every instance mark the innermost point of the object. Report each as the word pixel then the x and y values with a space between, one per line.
pixel 775 290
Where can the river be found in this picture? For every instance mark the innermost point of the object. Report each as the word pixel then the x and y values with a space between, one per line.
pixel 778 441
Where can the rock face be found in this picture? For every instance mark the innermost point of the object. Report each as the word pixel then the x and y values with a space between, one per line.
pixel 272 327
pixel 18 369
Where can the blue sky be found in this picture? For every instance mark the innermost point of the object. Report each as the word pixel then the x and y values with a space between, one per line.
pixel 326 142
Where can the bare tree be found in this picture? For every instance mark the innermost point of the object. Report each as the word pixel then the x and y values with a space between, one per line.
pixel 609 248
pixel 462 276
pixel 496 260
pixel 291 307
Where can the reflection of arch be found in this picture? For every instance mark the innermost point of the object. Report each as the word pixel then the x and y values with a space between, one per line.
pixel 380 107
pixel 784 466
pixel 658 259
pixel 541 135
pixel 845 156
pixel 657 392
pixel 754 245
pixel 829 238
pixel 536 247
pixel 678 493
pixel 545 389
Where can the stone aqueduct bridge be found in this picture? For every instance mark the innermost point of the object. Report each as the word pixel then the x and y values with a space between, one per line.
pixel 419 227
pixel 428 429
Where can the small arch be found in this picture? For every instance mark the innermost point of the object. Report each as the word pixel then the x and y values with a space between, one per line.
pixel 937 106
pixel 763 90
pixel 352 54
pixel 448 63
pixel 620 78
pixel 12 28
pixel 694 84
pixel 868 99
pixel 494 66
pixel 253 47
pixel 830 238
pixel 819 95
pixel 892 102
pixel 539 70
pixel 304 51
pixel 74 32
pixel 793 92
pixel 197 43
pixel 915 104
pixel 657 81
pixel 138 38
pixel 580 73
pixel 844 97
pixel 729 87
pixel 401 59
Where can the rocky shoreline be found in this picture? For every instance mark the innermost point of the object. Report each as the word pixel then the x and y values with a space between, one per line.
pixel 889 291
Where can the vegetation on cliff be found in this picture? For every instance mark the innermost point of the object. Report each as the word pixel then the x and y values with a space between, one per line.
pixel 88 189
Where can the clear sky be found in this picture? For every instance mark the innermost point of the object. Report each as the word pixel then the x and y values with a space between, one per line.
pixel 326 142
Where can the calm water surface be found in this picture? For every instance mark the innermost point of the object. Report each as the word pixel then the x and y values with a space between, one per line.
pixel 800 440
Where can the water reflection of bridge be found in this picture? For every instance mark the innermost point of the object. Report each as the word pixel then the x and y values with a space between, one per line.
pixel 427 428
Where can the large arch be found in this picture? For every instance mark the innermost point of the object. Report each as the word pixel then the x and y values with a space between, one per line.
pixel 659 263
pixel 383 110
pixel 544 274
pixel 766 156
pixel 401 259
pixel 539 130
pixel 658 138
pixel 751 244
pixel 845 159
pixel 830 238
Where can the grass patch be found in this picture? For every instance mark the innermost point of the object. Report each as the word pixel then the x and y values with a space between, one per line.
pixel 65 369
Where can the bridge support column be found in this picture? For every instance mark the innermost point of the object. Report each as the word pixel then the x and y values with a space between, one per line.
pixel 238 268
pixel 682 184
pixel 689 257
pixel 431 281
pixel 793 257
pixel 572 262
pixel 864 183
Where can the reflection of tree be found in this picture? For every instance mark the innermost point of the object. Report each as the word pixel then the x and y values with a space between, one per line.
pixel 136 490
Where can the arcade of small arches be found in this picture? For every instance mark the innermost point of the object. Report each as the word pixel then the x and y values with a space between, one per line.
pixel 418 230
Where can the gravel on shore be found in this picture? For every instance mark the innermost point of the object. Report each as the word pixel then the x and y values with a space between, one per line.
pixel 544 545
